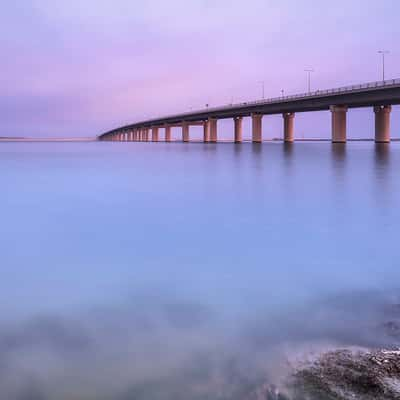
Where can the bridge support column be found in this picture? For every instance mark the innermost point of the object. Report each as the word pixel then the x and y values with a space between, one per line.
pixel 185 132
pixel 154 134
pixel 288 127
pixel 339 124
pixel 141 135
pixel 213 126
pixel 238 129
pixel 382 123
pixel 167 133
pixel 206 131
pixel 256 120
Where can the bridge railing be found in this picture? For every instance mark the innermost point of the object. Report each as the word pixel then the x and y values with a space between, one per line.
pixel 317 93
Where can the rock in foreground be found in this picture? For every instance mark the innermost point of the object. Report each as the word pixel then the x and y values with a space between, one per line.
pixel 345 374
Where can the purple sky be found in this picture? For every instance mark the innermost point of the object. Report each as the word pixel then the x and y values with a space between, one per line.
pixel 80 67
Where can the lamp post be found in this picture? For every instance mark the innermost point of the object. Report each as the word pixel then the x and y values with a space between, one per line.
pixel 383 53
pixel 263 89
pixel 309 72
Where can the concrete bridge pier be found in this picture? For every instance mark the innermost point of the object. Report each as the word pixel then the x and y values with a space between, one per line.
pixel 185 132
pixel 288 127
pixel 154 134
pixel 167 133
pixel 238 129
pixel 256 122
pixel 382 123
pixel 213 130
pixel 339 124
pixel 206 131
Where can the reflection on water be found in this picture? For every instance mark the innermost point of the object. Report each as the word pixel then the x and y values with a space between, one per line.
pixel 170 271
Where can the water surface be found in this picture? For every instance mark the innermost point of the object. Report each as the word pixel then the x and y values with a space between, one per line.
pixel 170 270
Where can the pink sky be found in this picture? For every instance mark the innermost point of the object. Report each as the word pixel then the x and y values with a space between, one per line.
pixel 78 68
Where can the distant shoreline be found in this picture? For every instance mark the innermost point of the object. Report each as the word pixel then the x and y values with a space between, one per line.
pixel 22 139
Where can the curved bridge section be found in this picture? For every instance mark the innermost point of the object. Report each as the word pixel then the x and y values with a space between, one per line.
pixel 380 96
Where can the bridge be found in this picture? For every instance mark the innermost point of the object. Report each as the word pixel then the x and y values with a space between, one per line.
pixel 380 96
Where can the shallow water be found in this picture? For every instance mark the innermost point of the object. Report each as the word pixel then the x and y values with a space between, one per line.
pixel 187 267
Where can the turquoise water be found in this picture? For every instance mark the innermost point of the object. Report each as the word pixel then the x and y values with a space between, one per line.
pixel 128 264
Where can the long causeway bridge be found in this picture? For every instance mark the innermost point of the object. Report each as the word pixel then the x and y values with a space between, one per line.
pixel 380 96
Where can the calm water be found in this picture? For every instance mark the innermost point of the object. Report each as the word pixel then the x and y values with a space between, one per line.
pixel 168 271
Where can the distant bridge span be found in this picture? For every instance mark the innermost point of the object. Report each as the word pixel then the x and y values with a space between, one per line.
pixel 378 95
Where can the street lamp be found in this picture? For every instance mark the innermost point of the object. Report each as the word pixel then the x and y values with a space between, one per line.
pixel 263 89
pixel 309 71
pixel 383 53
